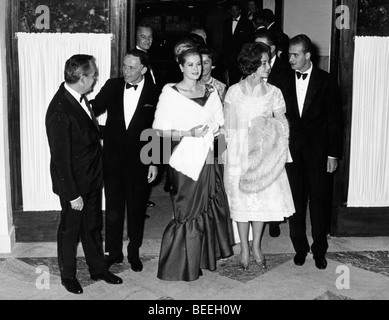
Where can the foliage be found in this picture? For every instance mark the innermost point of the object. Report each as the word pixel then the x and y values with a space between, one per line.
pixel 373 18
pixel 88 16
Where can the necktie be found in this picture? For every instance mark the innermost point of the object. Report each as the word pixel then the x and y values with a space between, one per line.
pixel 129 86
pixel 96 123
pixel 299 74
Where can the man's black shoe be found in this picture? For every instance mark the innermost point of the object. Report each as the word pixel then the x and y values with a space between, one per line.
pixel 299 258
pixel 150 204
pixel 136 264
pixel 320 262
pixel 111 261
pixel 72 285
pixel 274 229
pixel 108 277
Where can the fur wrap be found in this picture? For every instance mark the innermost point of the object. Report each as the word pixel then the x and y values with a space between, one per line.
pixel 268 152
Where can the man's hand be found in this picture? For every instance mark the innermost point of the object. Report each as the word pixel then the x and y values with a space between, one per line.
pixel 77 204
pixel 152 175
pixel 332 165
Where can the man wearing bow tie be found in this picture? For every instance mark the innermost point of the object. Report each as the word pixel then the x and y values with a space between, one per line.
pixel 130 103
pixel 237 31
pixel 144 40
pixel 314 112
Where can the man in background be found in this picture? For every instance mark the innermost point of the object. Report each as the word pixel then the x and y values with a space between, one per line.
pixel 144 40
pixel 237 31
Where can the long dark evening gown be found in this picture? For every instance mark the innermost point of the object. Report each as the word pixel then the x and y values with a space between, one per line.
pixel 200 232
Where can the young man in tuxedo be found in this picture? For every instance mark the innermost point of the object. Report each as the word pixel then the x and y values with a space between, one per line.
pixel 279 70
pixel 77 173
pixel 130 102
pixel 314 112
pixel 237 31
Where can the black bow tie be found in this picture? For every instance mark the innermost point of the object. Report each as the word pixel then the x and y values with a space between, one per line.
pixel 129 86
pixel 235 19
pixel 299 74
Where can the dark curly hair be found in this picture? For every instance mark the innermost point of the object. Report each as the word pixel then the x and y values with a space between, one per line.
pixel 250 57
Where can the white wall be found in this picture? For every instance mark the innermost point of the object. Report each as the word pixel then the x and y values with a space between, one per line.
pixel 6 228
pixel 311 17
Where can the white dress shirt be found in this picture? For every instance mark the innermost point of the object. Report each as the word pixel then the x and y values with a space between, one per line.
pixel 130 101
pixel 77 96
pixel 301 88
pixel 234 24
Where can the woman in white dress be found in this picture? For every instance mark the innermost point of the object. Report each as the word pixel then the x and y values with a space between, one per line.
pixel 257 135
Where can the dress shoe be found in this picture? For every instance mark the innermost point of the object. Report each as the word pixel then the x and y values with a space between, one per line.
pixel 136 264
pixel 108 277
pixel 244 262
pixel 299 258
pixel 274 229
pixel 320 262
pixel 111 261
pixel 261 263
pixel 150 204
pixel 72 285
pixel 259 259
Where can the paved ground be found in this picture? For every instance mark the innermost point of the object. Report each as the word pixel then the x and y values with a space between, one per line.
pixel 358 269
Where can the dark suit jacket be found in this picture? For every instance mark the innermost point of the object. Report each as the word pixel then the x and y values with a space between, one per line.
pixel 283 40
pixel 279 72
pixel 123 145
pixel 76 163
pixel 318 133
pixel 233 43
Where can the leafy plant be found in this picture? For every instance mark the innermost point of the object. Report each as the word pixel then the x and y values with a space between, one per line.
pixel 88 16
pixel 373 18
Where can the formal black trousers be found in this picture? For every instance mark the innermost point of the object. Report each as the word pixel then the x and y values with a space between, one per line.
pixel 85 225
pixel 126 191
pixel 309 183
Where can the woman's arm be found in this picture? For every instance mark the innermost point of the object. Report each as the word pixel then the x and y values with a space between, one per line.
pixel 198 131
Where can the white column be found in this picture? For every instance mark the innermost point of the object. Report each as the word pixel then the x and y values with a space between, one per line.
pixel 7 231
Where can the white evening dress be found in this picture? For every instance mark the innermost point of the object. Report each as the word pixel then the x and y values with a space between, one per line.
pixel 243 104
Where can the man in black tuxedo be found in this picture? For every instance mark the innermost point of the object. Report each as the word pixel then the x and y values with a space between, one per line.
pixel 144 40
pixel 279 68
pixel 130 103
pixel 269 19
pixel 278 74
pixel 314 112
pixel 77 173
pixel 237 31
pixel 258 21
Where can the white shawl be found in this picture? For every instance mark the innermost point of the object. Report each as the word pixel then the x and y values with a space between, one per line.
pixel 177 112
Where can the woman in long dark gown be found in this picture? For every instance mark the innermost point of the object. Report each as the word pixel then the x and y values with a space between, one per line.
pixel 200 232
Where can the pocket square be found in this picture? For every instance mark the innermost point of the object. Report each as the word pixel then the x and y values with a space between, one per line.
pixel 148 106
